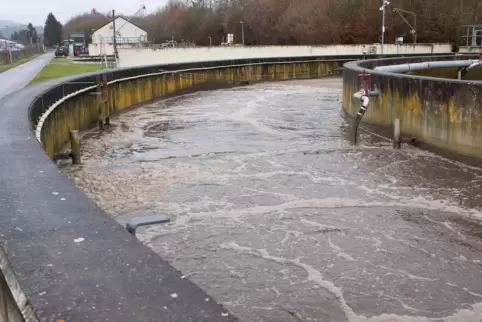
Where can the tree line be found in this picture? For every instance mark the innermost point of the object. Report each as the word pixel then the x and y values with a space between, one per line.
pixel 26 36
pixel 294 22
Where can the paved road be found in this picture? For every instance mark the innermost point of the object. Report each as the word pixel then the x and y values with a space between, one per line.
pixel 279 218
pixel 17 78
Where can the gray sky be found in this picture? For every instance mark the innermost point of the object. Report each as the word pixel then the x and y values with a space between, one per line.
pixel 36 11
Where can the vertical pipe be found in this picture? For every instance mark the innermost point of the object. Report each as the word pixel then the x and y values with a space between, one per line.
pixel 75 146
pixel 383 26
pixel 114 39
pixel 396 134
pixel 415 31
pixel 242 31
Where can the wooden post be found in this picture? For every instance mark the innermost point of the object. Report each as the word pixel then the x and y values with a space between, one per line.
pixel 396 134
pixel 75 146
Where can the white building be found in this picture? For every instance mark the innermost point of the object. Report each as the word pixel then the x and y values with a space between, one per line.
pixel 10 45
pixel 128 35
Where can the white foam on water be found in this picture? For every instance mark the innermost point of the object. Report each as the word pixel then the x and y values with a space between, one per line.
pixel 333 203
pixel 315 276
pixel 121 185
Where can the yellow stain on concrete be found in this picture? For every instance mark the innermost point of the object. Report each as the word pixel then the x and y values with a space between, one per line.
pixel 83 111
pixel 446 124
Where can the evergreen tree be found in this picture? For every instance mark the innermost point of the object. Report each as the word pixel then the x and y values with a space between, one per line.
pixel 52 31
pixel 32 33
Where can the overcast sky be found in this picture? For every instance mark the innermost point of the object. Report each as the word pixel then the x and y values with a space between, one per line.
pixel 36 11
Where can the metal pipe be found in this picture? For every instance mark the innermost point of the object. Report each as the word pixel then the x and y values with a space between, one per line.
pixel 383 30
pixel 404 68
pixel 365 101
pixel 463 71
pixel 242 31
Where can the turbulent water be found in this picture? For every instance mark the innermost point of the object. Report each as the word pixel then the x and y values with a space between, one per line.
pixel 277 216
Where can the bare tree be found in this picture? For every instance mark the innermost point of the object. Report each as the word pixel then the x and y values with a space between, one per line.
pixel 294 22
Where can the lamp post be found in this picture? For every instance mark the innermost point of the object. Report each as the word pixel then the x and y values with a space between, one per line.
pixel 413 29
pixel 6 27
pixel 242 31
pixel 382 8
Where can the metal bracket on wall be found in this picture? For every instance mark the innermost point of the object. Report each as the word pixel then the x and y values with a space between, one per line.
pixel 137 222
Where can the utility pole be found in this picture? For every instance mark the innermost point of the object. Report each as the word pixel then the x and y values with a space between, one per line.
pixel 242 31
pixel 114 39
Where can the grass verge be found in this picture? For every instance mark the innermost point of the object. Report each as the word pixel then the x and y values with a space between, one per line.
pixel 5 67
pixel 62 67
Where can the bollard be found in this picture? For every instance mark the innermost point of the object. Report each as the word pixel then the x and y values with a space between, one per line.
pixel 101 124
pixel 107 121
pixel 396 134
pixel 75 146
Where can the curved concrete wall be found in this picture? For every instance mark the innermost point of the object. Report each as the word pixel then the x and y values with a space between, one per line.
pixel 83 111
pixel 62 258
pixel 444 114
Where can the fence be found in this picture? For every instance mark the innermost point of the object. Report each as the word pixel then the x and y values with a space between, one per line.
pixel 12 55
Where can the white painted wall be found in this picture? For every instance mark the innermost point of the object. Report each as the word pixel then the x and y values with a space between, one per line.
pixel 150 56
pixel 108 49
pixel 128 36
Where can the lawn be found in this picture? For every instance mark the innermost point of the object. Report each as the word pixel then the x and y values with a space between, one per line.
pixel 62 67
pixel 5 67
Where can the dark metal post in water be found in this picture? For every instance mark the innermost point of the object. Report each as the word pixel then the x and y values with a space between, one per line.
pixel 101 124
pixel 107 121
pixel 75 146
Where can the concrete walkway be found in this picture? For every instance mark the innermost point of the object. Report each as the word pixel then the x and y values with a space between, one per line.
pixel 17 78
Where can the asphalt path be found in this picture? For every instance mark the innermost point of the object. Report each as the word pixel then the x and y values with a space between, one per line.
pixel 17 78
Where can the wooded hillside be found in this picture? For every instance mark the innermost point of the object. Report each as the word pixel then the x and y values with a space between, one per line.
pixel 294 22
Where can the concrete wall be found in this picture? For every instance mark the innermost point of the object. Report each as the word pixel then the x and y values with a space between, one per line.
pixel 151 56
pixel 83 111
pixel 470 50
pixel 9 311
pixel 443 114
pixel 108 49
pixel 14 306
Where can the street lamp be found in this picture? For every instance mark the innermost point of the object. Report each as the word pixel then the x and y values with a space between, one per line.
pixel 382 8
pixel 242 31
pixel 413 29
pixel 6 28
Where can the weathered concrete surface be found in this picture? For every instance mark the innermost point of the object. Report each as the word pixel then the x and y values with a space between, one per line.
pixel 147 56
pixel 82 112
pixel 17 78
pixel 71 261
pixel 443 114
